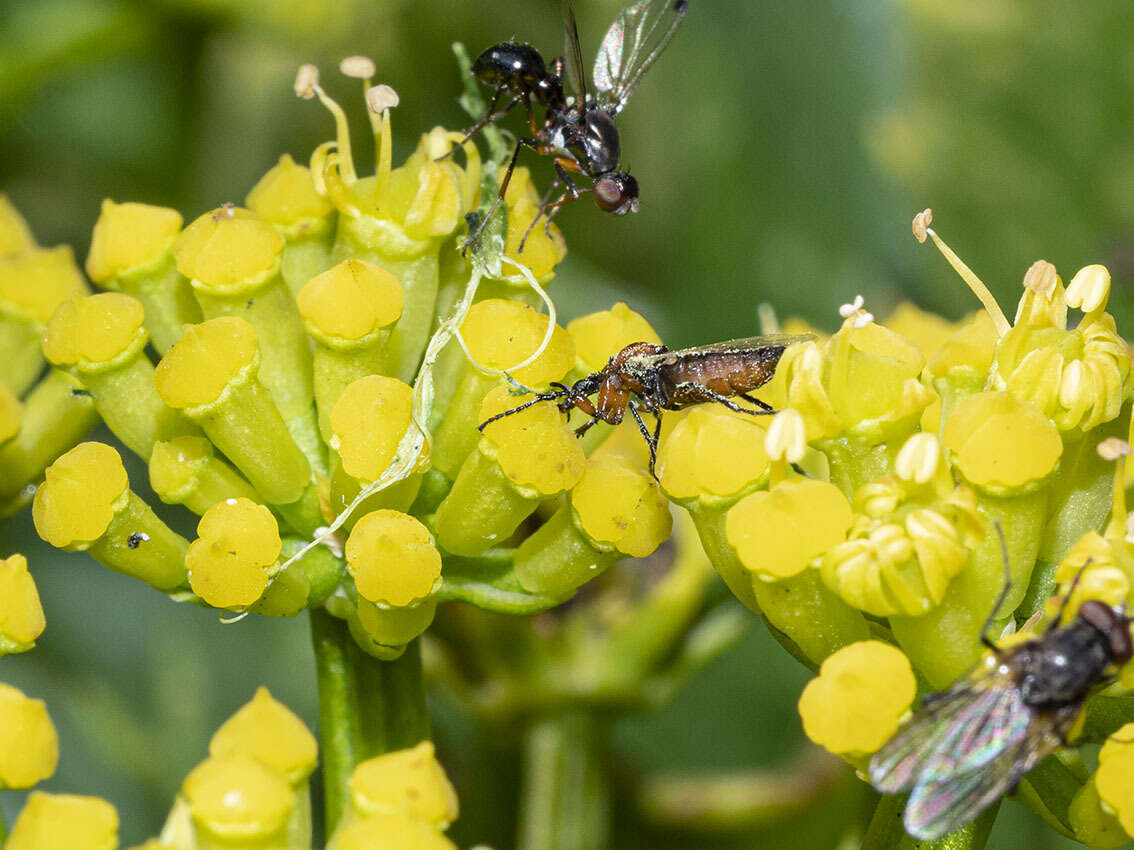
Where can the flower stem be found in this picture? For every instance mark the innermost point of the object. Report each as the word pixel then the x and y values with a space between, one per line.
pixel 565 799
pixel 366 706
pixel 3 828
pixel 886 831
pixel 338 718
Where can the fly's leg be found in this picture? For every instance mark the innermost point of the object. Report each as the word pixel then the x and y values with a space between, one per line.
pixel 535 145
pixel 984 638
pixel 651 440
pixel 490 117
pixel 549 210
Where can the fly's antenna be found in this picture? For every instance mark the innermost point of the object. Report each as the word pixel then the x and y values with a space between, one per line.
pixel 984 638
pixel 1070 592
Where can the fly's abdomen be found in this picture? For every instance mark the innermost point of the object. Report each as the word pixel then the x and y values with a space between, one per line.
pixel 727 373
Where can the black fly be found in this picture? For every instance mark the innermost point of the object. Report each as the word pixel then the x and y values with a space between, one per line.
pixel 971 744
pixel 579 131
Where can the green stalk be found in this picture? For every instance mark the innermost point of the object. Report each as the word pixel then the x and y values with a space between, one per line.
pixel 3 828
pixel 887 833
pixel 366 706
pixel 338 717
pixel 565 802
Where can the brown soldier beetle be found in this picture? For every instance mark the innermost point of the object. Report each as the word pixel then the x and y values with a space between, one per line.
pixel 650 377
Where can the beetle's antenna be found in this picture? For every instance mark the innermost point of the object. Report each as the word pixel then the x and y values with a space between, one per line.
pixel 984 638
pixel 540 397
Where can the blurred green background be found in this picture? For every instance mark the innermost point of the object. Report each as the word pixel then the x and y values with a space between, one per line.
pixel 782 148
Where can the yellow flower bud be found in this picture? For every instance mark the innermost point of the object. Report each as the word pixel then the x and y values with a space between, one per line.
pixel 383 832
pixel 225 249
pixel 535 449
pixel 970 347
pixel 130 236
pixel 286 197
pixel 599 336
pixel 1000 442
pixel 350 302
pixel 269 732
pixel 928 331
pixel 545 247
pixel 186 471
pixel 84 490
pixel 207 358
pixel 21 614
pixel 712 450
pixel 234 557
pixel 33 283
pixel 409 781
pixel 384 631
pixel 93 330
pixel 620 506
pixel 368 421
pixel 392 559
pixel 501 334
pixel 50 821
pixel 777 532
pixel 11 413
pixel 236 798
pixel 15 235
pixel 1114 779
pixel 859 698
pixel 29 745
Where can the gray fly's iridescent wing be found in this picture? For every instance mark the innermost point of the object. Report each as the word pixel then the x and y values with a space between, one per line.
pixel 632 44
pixel 938 807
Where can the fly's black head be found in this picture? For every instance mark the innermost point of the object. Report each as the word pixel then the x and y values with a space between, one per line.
pixel 616 192
pixel 1113 625
pixel 602 146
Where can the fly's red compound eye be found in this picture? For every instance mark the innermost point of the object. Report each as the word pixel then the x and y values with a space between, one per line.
pixel 617 193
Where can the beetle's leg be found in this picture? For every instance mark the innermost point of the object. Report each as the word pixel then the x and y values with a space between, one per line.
pixel 586 426
pixel 651 441
pixel 490 117
pixel 712 395
pixel 756 401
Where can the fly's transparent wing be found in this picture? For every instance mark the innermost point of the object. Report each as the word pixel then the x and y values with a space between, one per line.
pixel 938 807
pixel 997 720
pixel 573 56
pixel 899 764
pixel 632 44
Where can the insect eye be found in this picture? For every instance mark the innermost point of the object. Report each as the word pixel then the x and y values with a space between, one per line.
pixel 617 193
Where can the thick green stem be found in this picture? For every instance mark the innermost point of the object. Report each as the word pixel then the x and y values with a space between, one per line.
pixel 565 798
pixel 886 831
pixel 3 828
pixel 366 706
pixel 338 718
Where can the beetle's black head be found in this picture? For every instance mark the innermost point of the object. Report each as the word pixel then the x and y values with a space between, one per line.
pixel 1114 625
pixel 616 192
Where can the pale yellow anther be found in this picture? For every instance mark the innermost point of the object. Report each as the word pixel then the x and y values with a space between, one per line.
pixel 1072 383
pixel 787 437
pixel 306 79
pixel 917 461
pixel 861 317
pixel 380 98
pixel 921 223
pixel 359 67
pixel 1041 278
pixel 1112 448
pixel 1089 289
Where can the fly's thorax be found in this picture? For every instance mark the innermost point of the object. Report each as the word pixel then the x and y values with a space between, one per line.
pixel 1062 665
pixel 513 65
